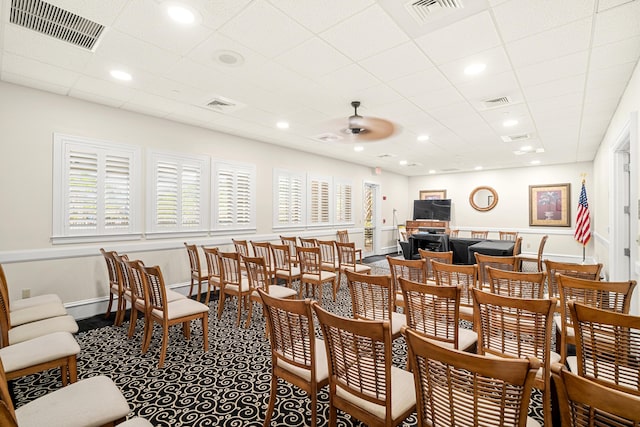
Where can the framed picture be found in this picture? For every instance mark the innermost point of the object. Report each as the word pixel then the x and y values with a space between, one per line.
pixel 549 205
pixel 433 194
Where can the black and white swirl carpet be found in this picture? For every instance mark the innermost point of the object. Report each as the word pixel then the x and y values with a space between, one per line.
pixel 227 386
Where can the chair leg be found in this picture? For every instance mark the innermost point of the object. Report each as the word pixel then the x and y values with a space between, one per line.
pixel 334 287
pixel 165 339
pixel 191 288
pixel 148 332
pixel 132 322
pixel 272 399
pixel 221 304
pixel 119 311
pixel 72 366
pixel 64 375
pixel 206 299
pixel 314 405
pixel 248 321
pixel 205 331
pixel 108 313
pixel 239 310
pixel 186 330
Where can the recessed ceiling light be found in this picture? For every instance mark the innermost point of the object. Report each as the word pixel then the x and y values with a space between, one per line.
pixel 423 138
pixel 535 162
pixel 473 69
pixel 478 168
pixel 181 14
pixel 358 148
pixel 539 150
pixel 526 148
pixel 403 162
pixel 121 75
pixel 282 125
pixel 432 171
pixel 509 123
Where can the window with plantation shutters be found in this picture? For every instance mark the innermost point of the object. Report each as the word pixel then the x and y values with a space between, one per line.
pixel 96 190
pixel 288 198
pixel 179 188
pixel 319 200
pixel 343 211
pixel 234 198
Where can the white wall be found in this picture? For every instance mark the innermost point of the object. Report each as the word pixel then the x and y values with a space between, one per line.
pixel 28 119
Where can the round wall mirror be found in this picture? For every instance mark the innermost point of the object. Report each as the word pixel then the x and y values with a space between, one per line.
pixel 483 198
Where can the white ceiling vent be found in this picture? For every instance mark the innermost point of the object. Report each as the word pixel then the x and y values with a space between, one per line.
pixel 327 137
pixel 515 138
pixel 55 22
pixel 386 156
pixel 224 105
pixel 496 102
pixel 423 10
pixel 450 170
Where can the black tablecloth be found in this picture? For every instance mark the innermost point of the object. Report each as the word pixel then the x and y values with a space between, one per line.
pixel 430 241
pixel 492 247
pixel 460 248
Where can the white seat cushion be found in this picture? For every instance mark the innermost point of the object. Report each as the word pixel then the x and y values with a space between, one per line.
pixel 398 320
pixel 181 308
pixel 278 292
pixel 322 367
pixel 572 362
pixel 42 327
pixel 36 300
pixel 91 402
pixel 136 422
pixel 244 286
pixel 35 313
pixel 359 268
pixel 174 296
pixel 38 350
pixel 295 272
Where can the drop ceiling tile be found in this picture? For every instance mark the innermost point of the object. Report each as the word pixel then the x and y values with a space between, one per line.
pixel 437 98
pixel 272 32
pixel 377 95
pixel 97 98
pixel 474 34
pixel 208 52
pixel 395 111
pixel 555 88
pixel 349 79
pixel 39 71
pixel 208 79
pixel 555 69
pixel 617 24
pixel 22 80
pixel 147 103
pixel 397 62
pixel 101 12
pixel 365 34
pixel 491 86
pixel 517 19
pixel 621 52
pixel 614 78
pixel 496 60
pixel 158 28
pixel 318 16
pixel 423 82
pixel 554 43
pixel 87 86
pixel 313 59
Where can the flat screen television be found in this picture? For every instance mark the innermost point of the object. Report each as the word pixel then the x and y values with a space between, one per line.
pixel 436 209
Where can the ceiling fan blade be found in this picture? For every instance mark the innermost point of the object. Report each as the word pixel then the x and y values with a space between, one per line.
pixel 376 129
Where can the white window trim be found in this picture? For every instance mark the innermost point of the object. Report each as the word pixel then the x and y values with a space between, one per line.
pixel 277 174
pixel 237 167
pixel 342 182
pixel 60 232
pixel 310 180
pixel 159 231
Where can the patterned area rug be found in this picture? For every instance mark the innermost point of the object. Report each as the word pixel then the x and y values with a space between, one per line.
pixel 227 386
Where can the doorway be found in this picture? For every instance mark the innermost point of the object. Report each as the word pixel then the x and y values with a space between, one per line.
pixel 370 219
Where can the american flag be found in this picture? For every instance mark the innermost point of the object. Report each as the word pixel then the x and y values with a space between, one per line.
pixel 583 222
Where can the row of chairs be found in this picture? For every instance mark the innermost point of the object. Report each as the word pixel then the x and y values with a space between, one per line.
pixel 484 234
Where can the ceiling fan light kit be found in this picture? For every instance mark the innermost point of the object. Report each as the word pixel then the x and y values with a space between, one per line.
pixel 364 129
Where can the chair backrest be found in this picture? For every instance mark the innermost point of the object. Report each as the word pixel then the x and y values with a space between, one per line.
pixel 583 271
pixel 309 258
pixel 458 388
pixel 5 319
pixel 432 310
pixel 342 236
pixel 466 276
pixel 154 286
pixel 259 277
pixel 372 297
pixel 454 233
pixel 241 246
pixel 292 242
pixel 282 257
pixel 508 263
pixel 112 269
pixel 508 235
pixel 134 272
pixel 291 334
pixel 517 247
pixel 446 257
pixel 194 259
pixel 514 327
pixel 411 269
pixel 7 410
pixel 212 256
pixel 607 347
pixel 516 283
pixel 328 252
pixel 263 249
pixel 309 242
pixel 585 403
pixel 230 269
pixel 543 241
pixel 346 254
pixel 124 282
pixel 475 234
pixel 359 356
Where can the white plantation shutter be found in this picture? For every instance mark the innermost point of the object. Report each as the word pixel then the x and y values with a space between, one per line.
pixel 96 189
pixel 343 195
pixel 288 200
pixel 319 199
pixel 179 188
pixel 234 196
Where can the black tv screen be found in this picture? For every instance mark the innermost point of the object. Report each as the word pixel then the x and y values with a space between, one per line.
pixel 437 209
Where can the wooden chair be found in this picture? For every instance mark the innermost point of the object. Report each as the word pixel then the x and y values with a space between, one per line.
pixel 507 263
pixel 233 282
pixel 585 403
pixel 611 296
pixel 433 311
pixel 465 276
pixel 198 275
pixel 372 298
pixel 583 271
pixel 115 287
pixel 511 327
pixel 516 283
pixel 530 264
pixel 128 293
pixel 95 401
pixel 446 257
pixel 517 249
pixel 311 272
pixel 308 242
pixel 259 278
pixel 212 256
pixel 297 356
pixel 607 347
pixel 347 260
pixel 362 380
pixel 283 262
pixel 292 242
pixel 458 388
pixel 328 256
pixel 343 237
pixel 508 235
pixel 263 249
pixel 454 233
pixel 411 269
pixel 166 314
pixel 475 234
pixel 241 246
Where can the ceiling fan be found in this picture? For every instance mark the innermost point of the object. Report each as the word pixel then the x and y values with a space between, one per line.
pixel 366 128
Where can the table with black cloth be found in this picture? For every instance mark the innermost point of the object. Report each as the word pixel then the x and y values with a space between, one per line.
pixel 460 248
pixel 491 247
pixel 431 241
